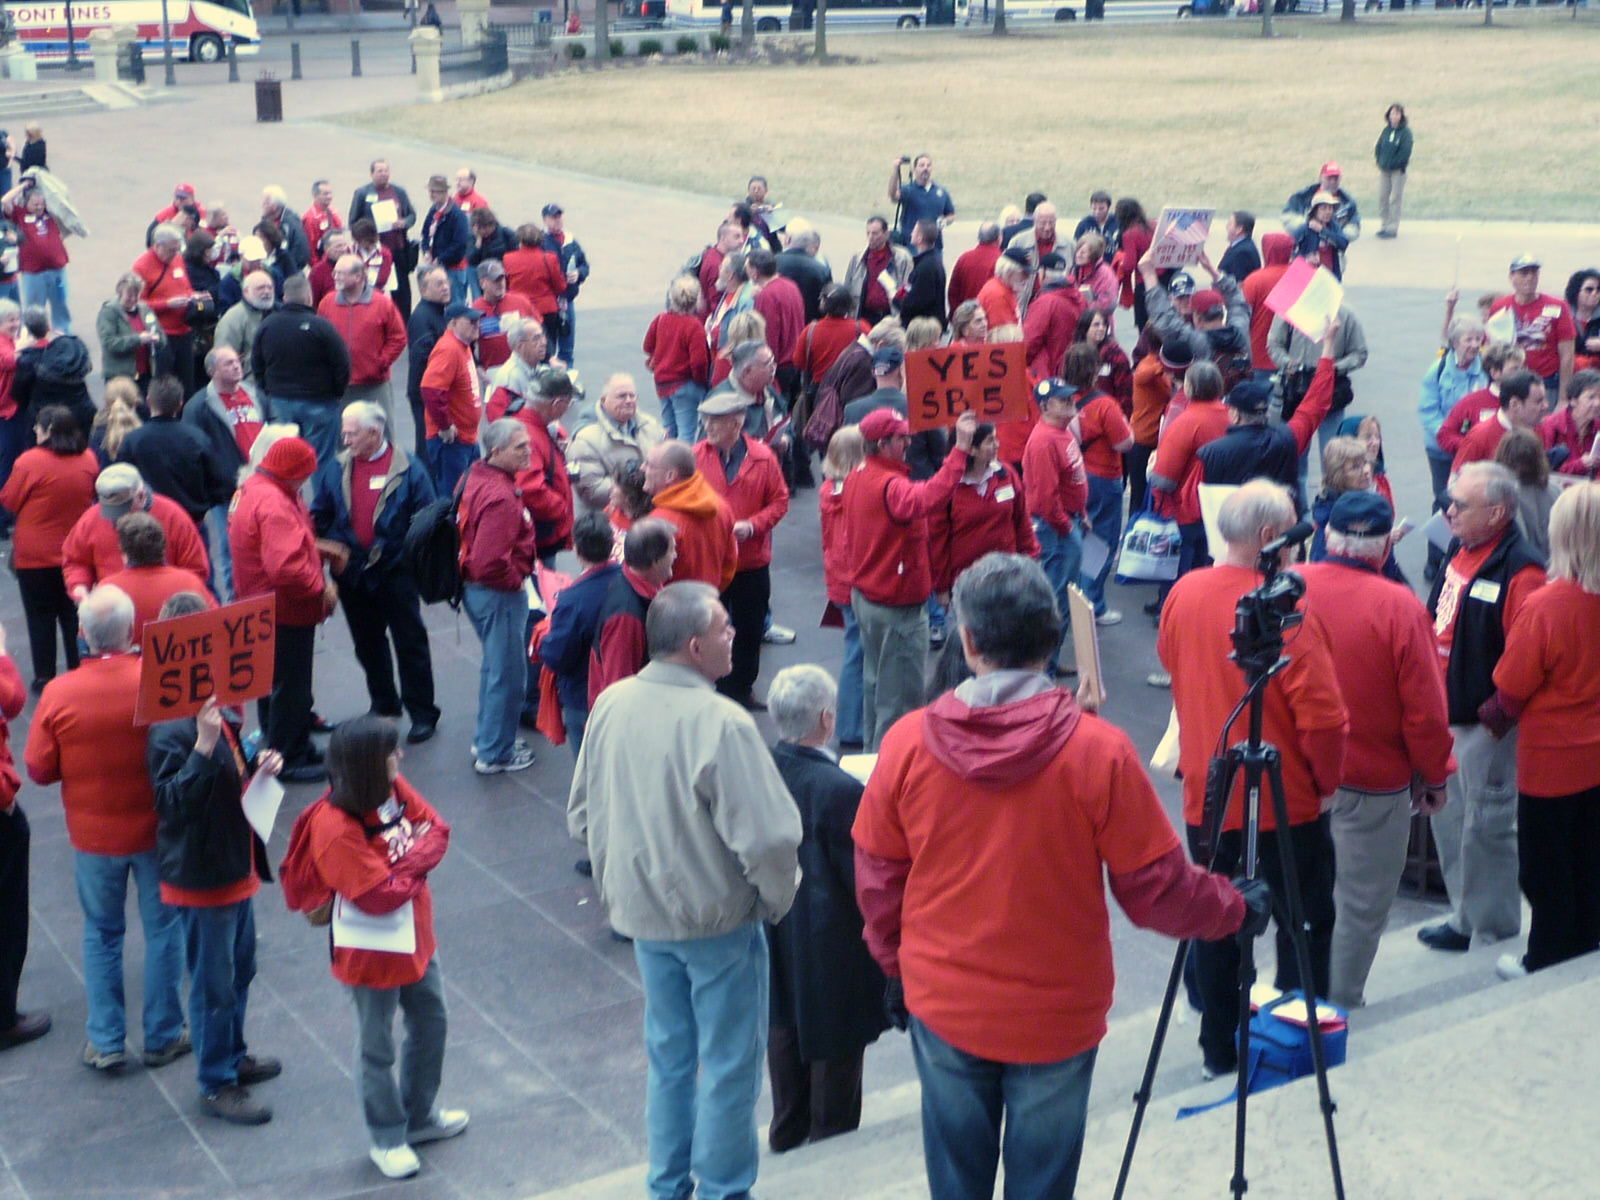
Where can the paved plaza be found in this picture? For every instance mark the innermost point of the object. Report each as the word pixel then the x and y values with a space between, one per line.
pixel 545 1005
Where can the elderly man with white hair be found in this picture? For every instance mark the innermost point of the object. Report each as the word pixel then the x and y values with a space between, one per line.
pixel 275 207
pixel 363 503
pixel 241 322
pixel 169 291
pixel 619 434
pixel 827 993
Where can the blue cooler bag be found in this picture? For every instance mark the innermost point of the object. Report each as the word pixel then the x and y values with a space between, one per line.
pixel 1280 1048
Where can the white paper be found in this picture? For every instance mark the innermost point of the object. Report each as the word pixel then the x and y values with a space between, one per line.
pixel 859 765
pixel 1317 305
pixel 392 933
pixel 1211 497
pixel 384 214
pixel 886 281
pixel 1437 531
pixel 535 601
pixel 261 800
pixel 1095 553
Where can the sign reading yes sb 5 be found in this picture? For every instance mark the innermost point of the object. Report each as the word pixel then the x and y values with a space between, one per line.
pixel 223 652
pixel 990 381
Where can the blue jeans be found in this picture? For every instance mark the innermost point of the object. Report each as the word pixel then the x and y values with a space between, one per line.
pixel 705 1032
pixel 103 894
pixel 11 291
pixel 216 532
pixel 963 1099
pixel 48 288
pixel 1060 557
pixel 392 1110
pixel 850 720
pixel 448 462
pixel 1105 518
pixel 576 720
pixel 221 953
pixel 459 282
pixel 318 421
pixel 499 619
pixel 680 412
pixel 569 333
pixel 15 436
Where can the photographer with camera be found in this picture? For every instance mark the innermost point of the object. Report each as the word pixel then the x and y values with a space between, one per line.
pixel 919 198
pixel 1304 717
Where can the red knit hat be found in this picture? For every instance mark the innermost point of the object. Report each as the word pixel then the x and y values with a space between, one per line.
pixel 290 458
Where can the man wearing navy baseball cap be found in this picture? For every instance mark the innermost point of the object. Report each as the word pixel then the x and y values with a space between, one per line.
pixel 574 263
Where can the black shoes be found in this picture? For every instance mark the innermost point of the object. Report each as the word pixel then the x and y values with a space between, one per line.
pixel 258 1069
pixel 1444 936
pixel 421 731
pixel 29 1027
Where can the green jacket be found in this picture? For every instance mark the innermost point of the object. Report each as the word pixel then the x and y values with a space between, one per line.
pixel 1394 148
pixel 119 344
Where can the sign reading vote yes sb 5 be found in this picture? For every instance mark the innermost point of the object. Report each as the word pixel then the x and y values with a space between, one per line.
pixel 943 382
pixel 223 652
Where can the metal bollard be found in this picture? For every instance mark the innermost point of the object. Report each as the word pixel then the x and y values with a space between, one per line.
pixel 413 62
pixel 355 58
pixel 233 63
pixel 294 61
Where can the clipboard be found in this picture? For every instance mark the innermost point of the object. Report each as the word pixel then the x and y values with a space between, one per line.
pixel 1086 646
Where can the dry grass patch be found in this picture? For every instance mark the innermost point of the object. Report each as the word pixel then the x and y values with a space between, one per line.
pixel 1199 112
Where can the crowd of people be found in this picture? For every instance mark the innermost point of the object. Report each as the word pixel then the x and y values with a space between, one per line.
pixel 249 443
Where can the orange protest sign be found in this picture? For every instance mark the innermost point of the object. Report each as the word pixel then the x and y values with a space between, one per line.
pixel 945 381
pixel 223 652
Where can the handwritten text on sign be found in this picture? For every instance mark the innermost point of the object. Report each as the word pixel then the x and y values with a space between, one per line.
pixel 945 381
pixel 225 652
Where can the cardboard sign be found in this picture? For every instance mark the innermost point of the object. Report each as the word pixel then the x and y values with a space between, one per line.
pixel 943 382
pixel 1180 237
pixel 1307 297
pixel 225 652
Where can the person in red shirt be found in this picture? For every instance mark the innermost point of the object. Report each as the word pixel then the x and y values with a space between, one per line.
pixel 1176 473
pixel 1542 324
pixel 83 736
pixel 1481 403
pixel 546 484
pixel 370 844
pixel 1304 717
pixel 888 567
pixel 536 273
pixel 1276 251
pixel 147 579
pixel 42 256
pixel 825 339
pixel 1522 406
pixel 1397 759
pixel 1052 318
pixel 1571 430
pixel 370 326
pixel 50 487
pixel 467 196
pixel 498 306
pixel 1104 436
pixel 678 357
pixel 780 304
pixel 982 845
pixel 168 290
pixel 744 471
pixel 974 268
pixel 274 550
pixel 1548 681
pixel 320 219
pixel 730 240
pixel 988 511
pixel 90 552
pixel 998 297
pixel 1057 488
pixel 707 549
pixel 183 197
pixel 452 400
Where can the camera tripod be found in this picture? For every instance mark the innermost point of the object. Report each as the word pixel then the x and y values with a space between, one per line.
pixel 1258 649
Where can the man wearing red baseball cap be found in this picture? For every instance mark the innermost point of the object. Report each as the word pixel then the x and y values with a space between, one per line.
pixel 1346 217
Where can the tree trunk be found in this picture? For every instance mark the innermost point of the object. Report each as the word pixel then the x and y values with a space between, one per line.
pixel 747 26
pixel 1266 18
pixel 999 18
pixel 602 32
pixel 822 30
pixel 1347 10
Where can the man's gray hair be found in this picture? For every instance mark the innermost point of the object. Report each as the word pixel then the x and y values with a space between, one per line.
pixel 1257 504
pixel 809 241
pixel 214 356
pixel 1368 547
pixel 745 353
pixel 988 233
pixel 519 329
pixel 297 290
pixel 1006 606
pixel 797 698
pixel 679 613
pixel 370 415
pixel 166 233
pixel 275 194
pixel 106 618
pixel 422 275
pixel 498 434
pixel 1499 485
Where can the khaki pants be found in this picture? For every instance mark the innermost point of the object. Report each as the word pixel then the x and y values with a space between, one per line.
pixel 1391 191
pixel 894 649
pixel 374 393
pixel 1370 831
pixel 1476 832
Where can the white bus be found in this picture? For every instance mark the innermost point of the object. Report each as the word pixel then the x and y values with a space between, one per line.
pixel 201 29
pixel 773 15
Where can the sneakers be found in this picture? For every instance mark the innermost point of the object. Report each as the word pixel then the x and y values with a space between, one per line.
pixel 107 1062
pixel 1511 966
pixel 1159 679
pixel 258 1069
pixel 1110 617
pixel 446 1123
pixel 233 1103
pixel 1444 936
pixel 778 635
pixel 1208 1072
pixel 169 1053
pixel 521 759
pixel 396 1162
pixel 519 744
pixel 29 1027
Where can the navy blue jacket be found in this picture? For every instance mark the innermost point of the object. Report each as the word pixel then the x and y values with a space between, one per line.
pixel 574 625
pixel 407 490
pixel 571 255
pixel 450 242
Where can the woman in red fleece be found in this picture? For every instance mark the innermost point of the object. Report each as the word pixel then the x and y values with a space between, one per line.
pixel 679 358
pixel 364 851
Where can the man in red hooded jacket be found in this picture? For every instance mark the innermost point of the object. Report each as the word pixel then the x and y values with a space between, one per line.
pixel 981 842
pixel 275 550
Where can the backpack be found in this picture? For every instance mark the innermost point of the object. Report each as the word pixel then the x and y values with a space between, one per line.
pixel 432 550
pixel 827 409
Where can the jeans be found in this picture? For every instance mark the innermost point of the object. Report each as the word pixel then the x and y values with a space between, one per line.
pixel 390 1111
pixel 48 288
pixel 1476 832
pixel 16 435
pixel 498 618
pixel 964 1097
pixel 705 1032
pixel 680 411
pixel 103 894
pixel 216 532
pixel 449 461
pixel 849 726
pixel 458 284
pixel 576 720
pixel 220 942
pixel 569 333
pixel 1060 556
pixel 318 421
pixel 1105 518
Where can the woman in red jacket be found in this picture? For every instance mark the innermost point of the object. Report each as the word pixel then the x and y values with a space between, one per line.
pixel 365 850
pixel 1133 240
pixel 987 512
pixel 1116 375
pixel 534 272
pixel 50 487
pixel 679 358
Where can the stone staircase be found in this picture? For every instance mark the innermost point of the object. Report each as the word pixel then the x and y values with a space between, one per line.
pixel 1457 1085
pixel 41 104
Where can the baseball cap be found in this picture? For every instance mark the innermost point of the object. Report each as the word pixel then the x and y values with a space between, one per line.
pixel 1361 513
pixel 184 189
pixel 550 210
pixel 1017 255
pixel 462 310
pixel 1523 262
pixel 1324 198
pixel 1250 397
pixel 1053 389
pixel 115 487
pixel 1206 299
pixel 1181 284
pixel 883 423
pixel 887 358
pixel 722 404
pixel 1331 168
pixel 1052 262
pixel 1176 354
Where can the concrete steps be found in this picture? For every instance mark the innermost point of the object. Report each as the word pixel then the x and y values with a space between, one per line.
pixel 44 103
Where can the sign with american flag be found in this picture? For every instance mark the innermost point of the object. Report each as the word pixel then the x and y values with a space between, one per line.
pixel 1180 236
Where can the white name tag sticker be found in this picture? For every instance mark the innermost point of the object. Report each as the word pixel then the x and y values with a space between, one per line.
pixel 376 482
pixel 1486 590
pixel 1005 495
pixel 1551 310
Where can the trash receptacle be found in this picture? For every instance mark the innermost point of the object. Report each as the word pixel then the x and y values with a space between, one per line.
pixel 269 98
pixel 1094 10
pixel 130 63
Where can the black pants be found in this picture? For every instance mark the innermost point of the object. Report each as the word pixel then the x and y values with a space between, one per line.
pixel 286 713
pixel 419 425
pixel 1137 461
pixel 402 286
pixel 179 359
pixel 1217 963
pixel 746 601
pixel 13 910
pixel 1558 848
pixel 810 1100
pixel 392 611
pixel 46 605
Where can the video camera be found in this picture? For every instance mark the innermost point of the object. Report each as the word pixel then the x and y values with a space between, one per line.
pixel 1263 614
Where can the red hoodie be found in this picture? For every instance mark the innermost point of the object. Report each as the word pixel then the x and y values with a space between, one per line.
pixel 1276 250
pixel 981 843
pixel 707 550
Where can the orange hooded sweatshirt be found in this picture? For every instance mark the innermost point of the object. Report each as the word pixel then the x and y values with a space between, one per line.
pixel 707 550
